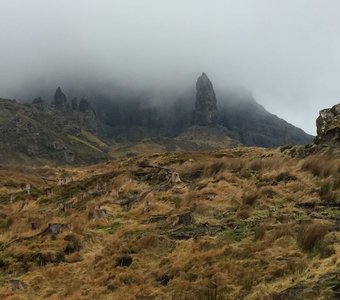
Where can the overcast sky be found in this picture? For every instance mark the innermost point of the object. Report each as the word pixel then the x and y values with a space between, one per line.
pixel 287 53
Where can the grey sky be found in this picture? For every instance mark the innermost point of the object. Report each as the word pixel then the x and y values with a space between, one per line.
pixel 286 52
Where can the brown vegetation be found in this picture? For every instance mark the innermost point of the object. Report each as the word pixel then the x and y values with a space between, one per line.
pixel 321 166
pixel 243 223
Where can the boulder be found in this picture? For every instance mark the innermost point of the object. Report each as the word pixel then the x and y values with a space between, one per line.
pixel 328 126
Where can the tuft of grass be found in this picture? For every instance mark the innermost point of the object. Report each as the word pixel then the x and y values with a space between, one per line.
pixel 243 213
pixel 214 168
pixel 260 232
pixel 311 235
pixel 110 229
pixel 249 197
pixel 320 166
pixel 328 191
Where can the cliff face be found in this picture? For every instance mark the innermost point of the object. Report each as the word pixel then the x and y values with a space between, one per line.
pixel 328 126
pixel 205 112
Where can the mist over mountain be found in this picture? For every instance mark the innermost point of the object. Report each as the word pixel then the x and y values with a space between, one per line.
pixel 290 67
pixel 80 129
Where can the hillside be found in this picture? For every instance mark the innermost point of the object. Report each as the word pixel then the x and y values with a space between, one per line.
pixel 236 223
pixel 243 223
pixel 44 134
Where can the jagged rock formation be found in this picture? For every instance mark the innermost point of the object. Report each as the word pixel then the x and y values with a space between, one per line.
pixel 328 126
pixel 205 112
pixel 40 104
pixel 74 103
pixel 40 133
pixel 84 105
pixel 60 100
pixel 89 117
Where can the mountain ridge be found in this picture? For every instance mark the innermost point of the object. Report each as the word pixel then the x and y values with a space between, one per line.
pixel 79 132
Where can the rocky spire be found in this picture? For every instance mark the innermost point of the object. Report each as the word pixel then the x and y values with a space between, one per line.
pixel 85 106
pixel 74 103
pixel 205 112
pixel 88 116
pixel 60 100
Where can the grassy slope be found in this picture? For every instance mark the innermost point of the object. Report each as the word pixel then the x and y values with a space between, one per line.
pixel 251 232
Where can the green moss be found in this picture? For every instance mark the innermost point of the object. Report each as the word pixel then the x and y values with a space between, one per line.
pixel 239 233
pixel 110 229
pixel 134 233
pixel 35 192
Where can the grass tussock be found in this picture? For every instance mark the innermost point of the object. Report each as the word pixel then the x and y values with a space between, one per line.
pixel 310 235
pixel 260 232
pixel 250 197
pixel 214 168
pixel 329 190
pixel 320 166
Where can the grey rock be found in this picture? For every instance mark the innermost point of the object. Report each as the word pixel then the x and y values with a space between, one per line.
pixel 40 104
pixel 328 126
pixel 205 112
pixel 74 103
pixel 60 100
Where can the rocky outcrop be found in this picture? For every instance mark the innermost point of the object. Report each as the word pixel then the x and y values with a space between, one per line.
pixel 327 140
pixel 205 112
pixel 60 100
pixel 40 104
pixel 39 132
pixel 85 107
pixel 328 126
pixel 74 103
pixel 88 118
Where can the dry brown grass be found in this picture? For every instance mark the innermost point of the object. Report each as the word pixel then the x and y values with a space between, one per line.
pixel 214 168
pixel 321 166
pixel 260 232
pixel 311 235
pixel 259 249
pixel 329 190
pixel 243 213
pixel 250 197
